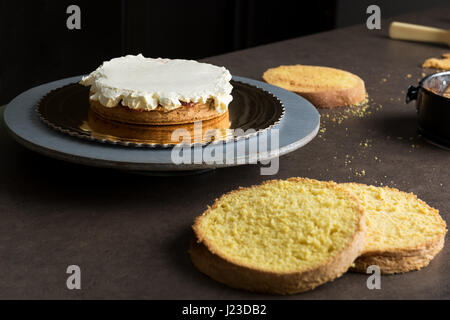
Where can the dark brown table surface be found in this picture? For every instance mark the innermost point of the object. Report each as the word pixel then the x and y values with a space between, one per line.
pixel 129 233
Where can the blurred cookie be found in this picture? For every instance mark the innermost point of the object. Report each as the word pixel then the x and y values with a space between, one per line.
pixel 435 63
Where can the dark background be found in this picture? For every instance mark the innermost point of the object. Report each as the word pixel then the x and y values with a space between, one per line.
pixel 37 47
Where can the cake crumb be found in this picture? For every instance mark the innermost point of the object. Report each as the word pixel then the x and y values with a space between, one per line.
pixel 366 143
pixel 360 173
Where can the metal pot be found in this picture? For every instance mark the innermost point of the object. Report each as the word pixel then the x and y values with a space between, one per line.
pixel 433 108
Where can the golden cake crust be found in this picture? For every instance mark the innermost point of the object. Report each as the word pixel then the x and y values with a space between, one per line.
pixel 441 64
pixel 101 127
pixel 402 259
pixel 159 116
pixel 209 260
pixel 306 81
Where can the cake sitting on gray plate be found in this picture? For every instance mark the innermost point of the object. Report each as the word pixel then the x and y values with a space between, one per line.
pixel 140 90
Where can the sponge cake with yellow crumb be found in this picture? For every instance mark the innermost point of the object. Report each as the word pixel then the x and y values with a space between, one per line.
pixel 403 232
pixel 322 86
pixel 283 236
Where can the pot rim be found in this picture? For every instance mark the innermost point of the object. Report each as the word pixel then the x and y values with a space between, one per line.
pixel 425 79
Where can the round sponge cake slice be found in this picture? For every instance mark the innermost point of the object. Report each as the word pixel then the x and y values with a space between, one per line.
pixel 403 232
pixel 324 87
pixel 284 236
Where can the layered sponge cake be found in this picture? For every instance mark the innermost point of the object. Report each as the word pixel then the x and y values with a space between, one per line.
pixel 324 87
pixel 279 237
pixel 139 90
pixel 403 232
pixel 288 236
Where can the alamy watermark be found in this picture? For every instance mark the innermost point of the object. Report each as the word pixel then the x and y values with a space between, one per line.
pixel 73 282
pixel 374 20
pixel 73 22
pixel 262 148
pixel 373 281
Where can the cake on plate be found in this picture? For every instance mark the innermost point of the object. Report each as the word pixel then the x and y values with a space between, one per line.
pixel 140 90
pixel 102 128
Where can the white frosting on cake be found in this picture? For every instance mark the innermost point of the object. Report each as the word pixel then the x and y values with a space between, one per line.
pixel 146 83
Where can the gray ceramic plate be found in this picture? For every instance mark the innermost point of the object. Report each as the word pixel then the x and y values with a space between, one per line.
pixel 299 125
